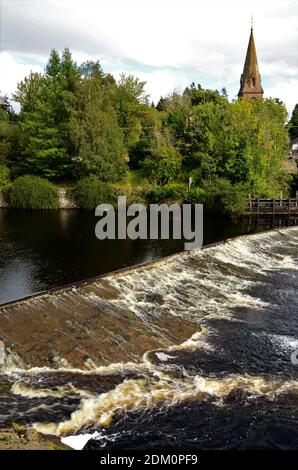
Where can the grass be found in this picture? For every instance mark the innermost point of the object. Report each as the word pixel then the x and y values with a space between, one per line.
pixel 56 447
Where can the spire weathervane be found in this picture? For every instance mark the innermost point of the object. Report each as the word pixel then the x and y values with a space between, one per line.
pixel 252 22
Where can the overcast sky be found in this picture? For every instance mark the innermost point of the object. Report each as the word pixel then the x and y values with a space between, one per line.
pixel 169 44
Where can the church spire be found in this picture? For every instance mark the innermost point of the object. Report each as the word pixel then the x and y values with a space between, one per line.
pixel 250 81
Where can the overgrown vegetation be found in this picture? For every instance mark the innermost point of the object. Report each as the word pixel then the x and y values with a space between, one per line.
pixel 4 175
pixel 90 192
pixel 78 122
pixel 293 123
pixel 32 192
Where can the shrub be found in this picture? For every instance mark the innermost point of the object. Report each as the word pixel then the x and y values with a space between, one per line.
pixel 90 192
pixel 235 200
pixel 197 196
pixel 294 185
pixel 163 165
pixel 222 196
pixel 32 192
pixel 133 195
pixel 4 175
pixel 174 192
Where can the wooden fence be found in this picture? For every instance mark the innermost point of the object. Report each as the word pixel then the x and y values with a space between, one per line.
pixel 273 206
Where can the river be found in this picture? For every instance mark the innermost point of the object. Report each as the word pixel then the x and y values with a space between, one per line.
pixel 191 352
pixel 40 250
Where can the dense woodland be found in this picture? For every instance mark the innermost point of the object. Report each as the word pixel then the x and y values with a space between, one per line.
pixel 79 127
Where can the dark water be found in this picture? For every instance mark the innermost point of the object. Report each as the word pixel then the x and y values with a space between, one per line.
pixel 202 359
pixel 44 249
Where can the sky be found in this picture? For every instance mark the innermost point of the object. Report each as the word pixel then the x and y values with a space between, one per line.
pixel 169 44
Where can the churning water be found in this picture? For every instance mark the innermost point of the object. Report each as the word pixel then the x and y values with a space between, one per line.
pixel 193 351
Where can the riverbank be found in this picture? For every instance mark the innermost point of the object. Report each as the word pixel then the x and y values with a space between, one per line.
pixel 21 438
pixel 64 202
pixel 31 192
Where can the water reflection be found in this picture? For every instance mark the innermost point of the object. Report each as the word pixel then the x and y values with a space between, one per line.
pixel 44 249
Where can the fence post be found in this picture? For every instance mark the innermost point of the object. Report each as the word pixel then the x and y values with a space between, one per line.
pixel 250 203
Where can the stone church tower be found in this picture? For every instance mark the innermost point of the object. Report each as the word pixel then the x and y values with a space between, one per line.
pixel 250 81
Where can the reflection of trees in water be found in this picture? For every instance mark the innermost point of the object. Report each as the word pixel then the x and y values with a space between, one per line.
pixel 44 249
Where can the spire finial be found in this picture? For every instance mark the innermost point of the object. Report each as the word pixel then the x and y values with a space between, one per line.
pixel 252 22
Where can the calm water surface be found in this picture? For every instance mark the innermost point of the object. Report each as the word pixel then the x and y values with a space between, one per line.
pixel 45 249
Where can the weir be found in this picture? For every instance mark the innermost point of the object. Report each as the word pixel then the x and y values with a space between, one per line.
pixel 121 315
pixel 172 351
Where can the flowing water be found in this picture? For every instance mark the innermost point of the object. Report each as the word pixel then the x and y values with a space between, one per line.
pixel 192 352
pixel 40 250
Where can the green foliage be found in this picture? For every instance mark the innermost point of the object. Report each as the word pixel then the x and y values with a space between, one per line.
pixel 150 136
pixel 94 132
pixel 136 195
pixel 293 123
pixel 77 121
pixel 293 185
pixel 4 175
pixel 90 192
pixel 136 178
pixel 44 118
pixel 221 196
pixel 32 192
pixel 244 142
pixel 197 196
pixel 168 192
pixel 201 96
pixel 9 132
pixel 163 166
pixel 130 95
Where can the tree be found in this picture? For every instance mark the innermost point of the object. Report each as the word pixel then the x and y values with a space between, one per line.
pixel 44 152
pixel 95 135
pixel 293 123
pixel 151 136
pixel 200 96
pixel 130 96
pixel 54 64
pixel 44 118
pixel 9 137
pixel 78 121
pixel 163 165
pixel 7 107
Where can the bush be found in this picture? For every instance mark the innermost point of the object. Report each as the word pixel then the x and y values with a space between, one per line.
pixel 236 201
pixel 293 185
pixel 163 165
pixel 197 196
pixel 4 175
pixel 90 192
pixel 32 192
pixel 222 196
pixel 174 192
pixel 133 195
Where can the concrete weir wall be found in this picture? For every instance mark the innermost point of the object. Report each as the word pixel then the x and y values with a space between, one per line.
pixel 103 320
pixel 64 202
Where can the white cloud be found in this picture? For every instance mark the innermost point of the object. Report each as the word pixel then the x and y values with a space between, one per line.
pixel 12 72
pixel 287 89
pixel 168 43
pixel 159 83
